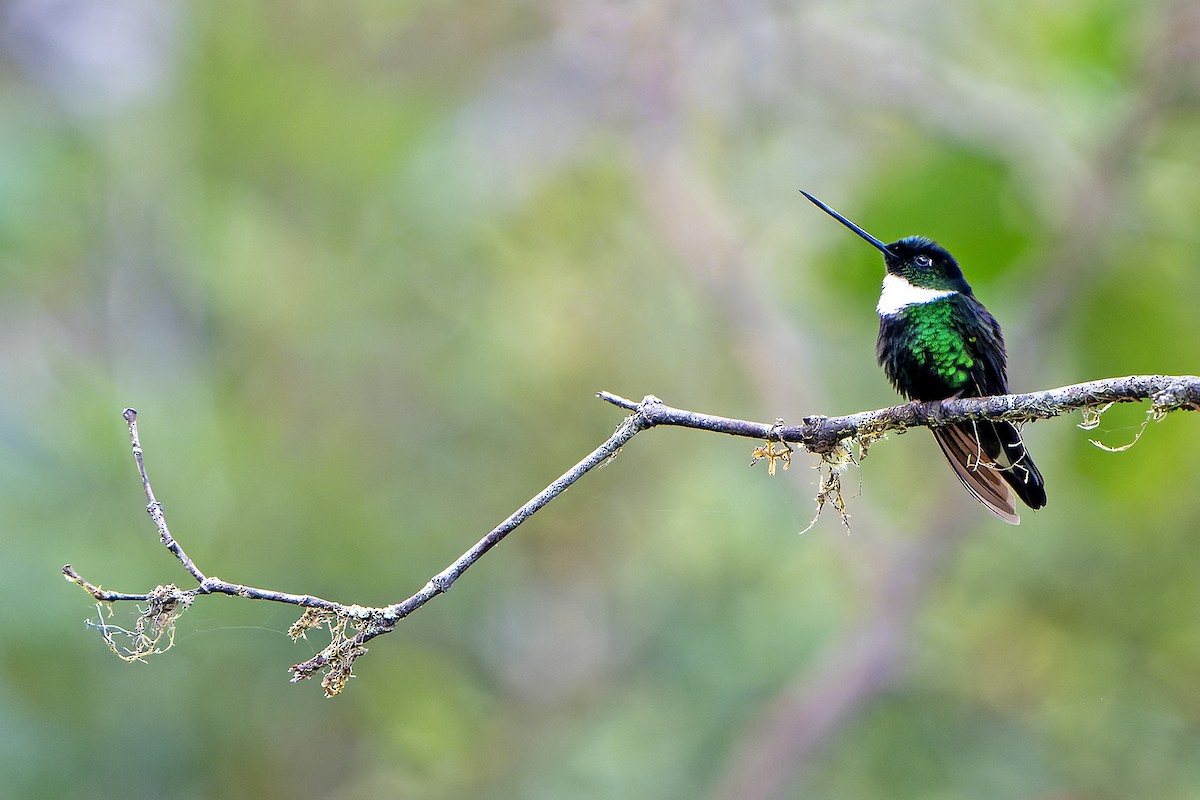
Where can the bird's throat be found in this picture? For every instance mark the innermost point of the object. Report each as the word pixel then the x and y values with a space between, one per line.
pixel 898 294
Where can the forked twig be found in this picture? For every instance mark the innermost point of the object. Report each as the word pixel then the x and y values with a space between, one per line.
pixel 352 626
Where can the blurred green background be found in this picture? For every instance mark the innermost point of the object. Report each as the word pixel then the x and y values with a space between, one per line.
pixel 361 267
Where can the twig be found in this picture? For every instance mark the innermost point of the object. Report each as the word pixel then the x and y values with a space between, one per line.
pixel 153 507
pixel 352 626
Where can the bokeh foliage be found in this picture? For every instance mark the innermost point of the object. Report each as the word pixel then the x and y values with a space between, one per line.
pixel 361 266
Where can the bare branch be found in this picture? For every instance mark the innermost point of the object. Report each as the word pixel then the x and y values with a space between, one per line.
pixel 821 435
pixel 352 626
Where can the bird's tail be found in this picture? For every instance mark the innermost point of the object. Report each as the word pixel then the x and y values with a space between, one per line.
pixel 991 461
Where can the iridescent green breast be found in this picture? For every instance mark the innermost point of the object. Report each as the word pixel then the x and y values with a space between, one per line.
pixel 935 341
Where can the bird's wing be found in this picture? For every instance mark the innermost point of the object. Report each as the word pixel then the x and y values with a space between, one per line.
pixel 989 375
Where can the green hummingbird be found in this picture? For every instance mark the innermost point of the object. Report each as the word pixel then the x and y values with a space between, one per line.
pixel 936 341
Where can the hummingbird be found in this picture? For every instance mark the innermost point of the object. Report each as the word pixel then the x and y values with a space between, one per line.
pixel 936 341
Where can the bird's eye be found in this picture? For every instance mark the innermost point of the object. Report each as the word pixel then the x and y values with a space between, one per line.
pixel 923 261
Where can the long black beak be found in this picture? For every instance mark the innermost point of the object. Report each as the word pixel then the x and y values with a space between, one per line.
pixel 878 244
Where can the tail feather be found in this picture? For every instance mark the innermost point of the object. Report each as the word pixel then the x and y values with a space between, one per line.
pixel 962 451
pixel 1018 467
pixel 991 461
